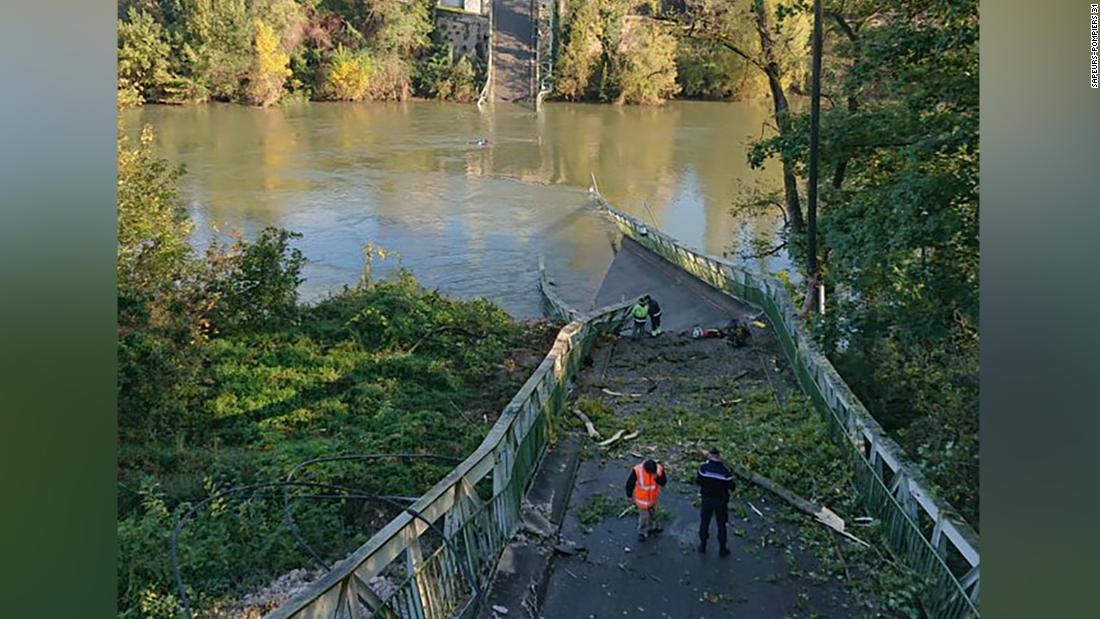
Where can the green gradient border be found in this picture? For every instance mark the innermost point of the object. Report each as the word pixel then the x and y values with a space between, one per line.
pixel 1040 131
pixel 57 313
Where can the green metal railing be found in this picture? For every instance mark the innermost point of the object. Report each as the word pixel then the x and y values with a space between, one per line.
pixel 922 530
pixel 434 582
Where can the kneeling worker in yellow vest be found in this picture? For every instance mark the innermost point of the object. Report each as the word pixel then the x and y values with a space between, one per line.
pixel 644 486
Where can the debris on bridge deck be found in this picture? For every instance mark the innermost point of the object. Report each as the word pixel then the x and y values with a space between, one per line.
pixel 679 395
pixel 688 392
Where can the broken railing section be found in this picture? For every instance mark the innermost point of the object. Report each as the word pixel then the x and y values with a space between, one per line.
pixel 553 305
pixel 923 530
pixel 434 585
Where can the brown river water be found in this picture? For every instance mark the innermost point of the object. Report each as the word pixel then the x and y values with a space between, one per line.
pixel 466 217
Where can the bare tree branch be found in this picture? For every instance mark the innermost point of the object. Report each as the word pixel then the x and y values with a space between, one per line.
pixel 771 252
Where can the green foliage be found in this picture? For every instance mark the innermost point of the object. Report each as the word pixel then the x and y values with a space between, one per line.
pixel 270 68
pixel 392 79
pixel 341 380
pixel 708 71
pixel 218 37
pixel 189 51
pixel 348 76
pixel 581 51
pixel 599 508
pixel 153 229
pixel 143 58
pixel 899 227
pixel 628 52
pixel 401 26
pixel 255 284
pixel 648 66
pixel 444 77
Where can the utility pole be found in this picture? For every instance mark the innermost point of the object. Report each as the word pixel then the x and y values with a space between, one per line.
pixel 815 117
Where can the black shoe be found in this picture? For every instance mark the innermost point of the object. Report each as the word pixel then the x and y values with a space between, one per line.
pixel 702 549
pixel 641 537
pixel 723 552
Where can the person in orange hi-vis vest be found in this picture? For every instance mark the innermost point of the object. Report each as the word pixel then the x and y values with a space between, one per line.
pixel 644 486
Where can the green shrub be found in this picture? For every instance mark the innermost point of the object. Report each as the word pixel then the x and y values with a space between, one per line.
pixel 648 65
pixel 347 76
pixel 143 58
pixel 270 68
pixel 392 79
pixel 256 286
pixel 217 49
pixel 444 77
pixel 706 71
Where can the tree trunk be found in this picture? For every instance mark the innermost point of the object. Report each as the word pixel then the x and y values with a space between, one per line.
pixel 782 115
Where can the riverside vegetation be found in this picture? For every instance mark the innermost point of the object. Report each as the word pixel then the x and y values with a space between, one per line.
pixel 226 379
pixel 260 52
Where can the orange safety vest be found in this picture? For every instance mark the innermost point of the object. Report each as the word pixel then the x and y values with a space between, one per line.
pixel 646 489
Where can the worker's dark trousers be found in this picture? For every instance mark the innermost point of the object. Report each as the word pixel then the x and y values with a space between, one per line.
pixel 654 322
pixel 718 508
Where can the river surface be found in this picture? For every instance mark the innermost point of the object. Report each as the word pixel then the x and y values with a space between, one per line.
pixel 470 219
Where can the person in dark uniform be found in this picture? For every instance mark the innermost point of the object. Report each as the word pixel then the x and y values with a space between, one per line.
pixel 654 316
pixel 715 482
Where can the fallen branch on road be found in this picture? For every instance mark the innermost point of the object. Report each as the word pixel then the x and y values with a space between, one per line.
pixel 588 425
pixel 618 435
pixel 620 394
pixel 822 514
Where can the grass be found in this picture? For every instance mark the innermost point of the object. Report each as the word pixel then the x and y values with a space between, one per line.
pixel 355 374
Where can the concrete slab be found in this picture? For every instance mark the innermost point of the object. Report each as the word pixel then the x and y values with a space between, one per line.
pixel 685 301
pixel 524 564
pixel 665 577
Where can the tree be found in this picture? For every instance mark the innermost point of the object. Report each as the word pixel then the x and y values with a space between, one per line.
pixel 612 52
pixel 444 77
pixel 218 45
pixel 348 76
pixel 160 316
pixel 143 57
pixel 255 284
pixel 153 252
pixel 584 31
pixel 648 74
pixel 270 68
pixel 771 48
pixel 899 225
